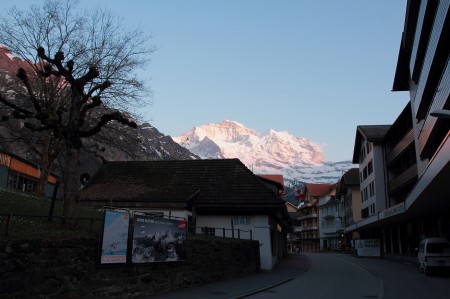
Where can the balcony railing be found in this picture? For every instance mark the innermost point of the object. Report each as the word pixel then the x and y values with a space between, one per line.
pixel 314 215
pixel 310 227
pixel 330 216
pixel 407 176
pixel 332 230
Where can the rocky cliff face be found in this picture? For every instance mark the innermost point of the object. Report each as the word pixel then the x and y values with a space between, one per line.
pixel 116 142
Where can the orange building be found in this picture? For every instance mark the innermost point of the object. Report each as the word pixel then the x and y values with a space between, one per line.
pixel 20 174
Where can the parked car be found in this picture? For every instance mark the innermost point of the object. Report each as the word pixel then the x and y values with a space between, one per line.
pixel 434 255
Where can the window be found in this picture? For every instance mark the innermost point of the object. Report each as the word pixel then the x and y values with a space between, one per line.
pixel 369 147
pixel 18 182
pixel 365 213
pixel 372 209
pixel 372 189
pixel 362 154
pixel 370 167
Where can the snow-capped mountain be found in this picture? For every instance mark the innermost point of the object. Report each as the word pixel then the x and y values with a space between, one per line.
pixel 272 152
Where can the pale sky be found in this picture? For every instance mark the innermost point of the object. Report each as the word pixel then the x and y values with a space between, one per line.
pixel 316 69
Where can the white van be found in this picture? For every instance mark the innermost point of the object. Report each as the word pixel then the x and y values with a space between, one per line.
pixel 434 255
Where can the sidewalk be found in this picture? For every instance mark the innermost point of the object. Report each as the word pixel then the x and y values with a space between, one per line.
pixel 240 287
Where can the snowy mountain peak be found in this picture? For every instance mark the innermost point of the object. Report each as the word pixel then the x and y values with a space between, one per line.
pixel 227 131
pixel 272 152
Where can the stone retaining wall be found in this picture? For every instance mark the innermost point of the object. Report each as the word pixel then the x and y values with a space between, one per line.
pixel 70 269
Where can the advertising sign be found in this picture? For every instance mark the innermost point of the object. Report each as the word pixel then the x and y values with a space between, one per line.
pixel 367 247
pixel 157 239
pixel 395 210
pixel 115 237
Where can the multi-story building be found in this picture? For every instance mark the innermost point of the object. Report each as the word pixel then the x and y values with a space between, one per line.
pixel 293 237
pixel 331 214
pixel 309 215
pixel 348 189
pixel 423 70
pixel 413 160
pixel 369 153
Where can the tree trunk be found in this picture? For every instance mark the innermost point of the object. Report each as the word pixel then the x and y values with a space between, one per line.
pixel 48 156
pixel 71 174
pixel 44 172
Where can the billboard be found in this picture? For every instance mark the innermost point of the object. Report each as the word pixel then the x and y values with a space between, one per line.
pixel 367 247
pixel 157 239
pixel 115 237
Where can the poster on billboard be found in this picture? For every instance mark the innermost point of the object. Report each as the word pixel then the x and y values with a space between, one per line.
pixel 367 247
pixel 115 237
pixel 157 239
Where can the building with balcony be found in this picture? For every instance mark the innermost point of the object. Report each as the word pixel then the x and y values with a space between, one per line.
pixel 309 215
pixel 414 152
pixel 331 215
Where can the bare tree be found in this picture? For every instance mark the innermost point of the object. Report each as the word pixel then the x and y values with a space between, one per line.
pixel 81 77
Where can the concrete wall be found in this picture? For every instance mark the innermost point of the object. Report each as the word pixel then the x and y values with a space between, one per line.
pixel 258 224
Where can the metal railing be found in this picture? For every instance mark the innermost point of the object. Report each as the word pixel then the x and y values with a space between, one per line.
pixel 18 222
pixel 223 232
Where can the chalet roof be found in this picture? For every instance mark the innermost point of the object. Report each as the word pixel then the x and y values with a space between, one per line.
pixel 351 177
pixel 371 133
pixel 213 186
pixel 317 190
pixel 274 178
pixel 278 178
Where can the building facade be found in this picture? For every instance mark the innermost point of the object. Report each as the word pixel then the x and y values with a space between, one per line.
pixel 20 174
pixel 309 215
pixel 219 197
pixel 331 215
pixel 416 147
pixel 369 154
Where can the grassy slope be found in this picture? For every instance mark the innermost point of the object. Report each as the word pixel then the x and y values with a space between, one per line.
pixel 30 217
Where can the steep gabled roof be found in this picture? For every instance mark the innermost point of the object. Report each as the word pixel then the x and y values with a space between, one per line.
pixel 213 186
pixel 277 179
pixel 317 190
pixel 351 177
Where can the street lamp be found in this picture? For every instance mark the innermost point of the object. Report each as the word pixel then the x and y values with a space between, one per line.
pixel 441 113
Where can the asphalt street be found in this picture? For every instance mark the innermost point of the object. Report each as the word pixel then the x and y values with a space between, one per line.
pixel 326 275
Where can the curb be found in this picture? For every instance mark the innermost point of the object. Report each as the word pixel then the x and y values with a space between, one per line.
pixel 274 284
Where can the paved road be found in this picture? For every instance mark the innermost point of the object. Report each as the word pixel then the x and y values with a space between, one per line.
pixel 326 275
pixel 344 276
pixel 404 280
pixel 329 277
